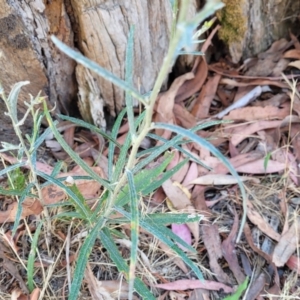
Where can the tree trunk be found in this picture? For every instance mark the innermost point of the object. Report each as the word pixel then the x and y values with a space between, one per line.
pixel 251 26
pixel 99 29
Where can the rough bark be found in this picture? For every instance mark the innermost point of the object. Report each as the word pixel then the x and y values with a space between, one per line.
pixel 28 54
pixel 251 26
pixel 99 29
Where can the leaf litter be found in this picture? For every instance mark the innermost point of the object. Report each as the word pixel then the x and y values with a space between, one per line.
pixel 261 141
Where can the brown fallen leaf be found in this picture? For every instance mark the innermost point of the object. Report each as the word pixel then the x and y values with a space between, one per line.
pixel 184 117
pixel 212 241
pixel 165 104
pixel 106 290
pixel 262 81
pixel 221 179
pixel 195 284
pixel 199 294
pixel 287 245
pixel 257 167
pixel 238 161
pixel 191 174
pixel 14 272
pixel 194 84
pixel 268 60
pixel 229 251
pixel 89 188
pixel 205 98
pixel 240 133
pixel 250 241
pixel 29 207
pixel 258 113
pixel 259 221
pixel 182 203
pixel 256 287
pixel 295 41
pixel 180 174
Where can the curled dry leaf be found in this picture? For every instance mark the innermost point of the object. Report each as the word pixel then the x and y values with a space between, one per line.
pixel 293 53
pixel 184 117
pixel 106 290
pixel 183 285
pixel 11 268
pixel 205 98
pixel 257 286
pixel 287 245
pixel 194 84
pixel 29 207
pixel 191 174
pixel 258 220
pixel 230 254
pixel 165 103
pixel 212 241
pixel 182 203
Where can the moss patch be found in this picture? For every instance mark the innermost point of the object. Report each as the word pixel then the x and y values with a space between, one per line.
pixel 233 21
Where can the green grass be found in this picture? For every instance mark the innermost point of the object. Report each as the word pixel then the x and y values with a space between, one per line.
pixel 128 179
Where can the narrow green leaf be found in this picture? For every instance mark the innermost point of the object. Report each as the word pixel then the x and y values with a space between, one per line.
pixel 156 183
pixel 13 192
pixel 120 263
pixel 196 53
pixel 84 211
pixel 217 153
pixel 100 205
pixel 72 154
pixel 238 294
pixel 162 219
pixel 122 158
pixel 96 68
pixel 111 147
pixel 93 128
pixel 57 168
pixel 173 143
pixel 12 167
pixel 142 179
pixel 170 218
pixel 134 231
pixel 164 235
pixel 12 100
pixel 41 139
pixel 82 259
pixel 67 215
pixel 120 164
pixel 20 208
pixel 266 160
pixel 182 150
pixel 31 257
